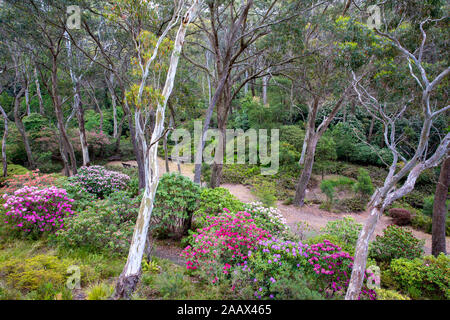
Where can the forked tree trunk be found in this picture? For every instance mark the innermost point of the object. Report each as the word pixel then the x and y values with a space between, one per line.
pixel 5 137
pixel 440 210
pixel 130 275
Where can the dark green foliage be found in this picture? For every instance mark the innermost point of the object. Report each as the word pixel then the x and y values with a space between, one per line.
pixel 364 185
pixel 427 277
pixel 396 243
pixel 175 202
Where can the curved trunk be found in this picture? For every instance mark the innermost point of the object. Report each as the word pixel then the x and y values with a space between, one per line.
pixel 440 210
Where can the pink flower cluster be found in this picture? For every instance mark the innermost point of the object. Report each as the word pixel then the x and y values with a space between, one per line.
pixel 99 181
pixel 33 209
pixel 226 241
pixel 334 267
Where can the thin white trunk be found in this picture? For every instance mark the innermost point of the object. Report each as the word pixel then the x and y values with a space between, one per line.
pixel 77 104
pixel 128 279
pixel 5 136
pixel 38 91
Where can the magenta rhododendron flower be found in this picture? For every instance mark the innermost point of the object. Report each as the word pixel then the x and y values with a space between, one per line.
pixel 33 209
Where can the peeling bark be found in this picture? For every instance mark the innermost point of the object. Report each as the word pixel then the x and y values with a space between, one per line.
pixel 130 275
pixel 5 137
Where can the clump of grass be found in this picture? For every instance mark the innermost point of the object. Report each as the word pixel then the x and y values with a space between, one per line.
pixel 101 291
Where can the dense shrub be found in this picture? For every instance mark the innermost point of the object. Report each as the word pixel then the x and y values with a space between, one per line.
pixel 396 243
pixel 386 294
pixel 327 187
pixel 400 216
pixel 364 185
pixel 274 271
pixel 213 201
pixel 125 205
pixel 175 202
pixel 30 179
pixel 356 204
pixel 265 191
pixel 269 219
pixel 345 229
pixel 99 181
pixel 35 272
pixel 34 211
pixel 223 244
pixel 238 173
pixel 97 228
pixel 423 277
pixel 13 170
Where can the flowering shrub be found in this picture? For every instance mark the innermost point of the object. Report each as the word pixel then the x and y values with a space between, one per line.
pixel 276 266
pixel 269 219
pixel 333 268
pixel 97 228
pixel 224 243
pixel 212 202
pixel 99 181
pixel 31 179
pixel 34 210
pixel 274 271
pixel 396 243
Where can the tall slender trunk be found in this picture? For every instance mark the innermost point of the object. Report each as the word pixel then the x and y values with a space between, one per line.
pixel 39 93
pixel 300 191
pixel 80 117
pixel 21 128
pixel 222 116
pixel 67 145
pixel 440 209
pixel 5 137
pixel 130 275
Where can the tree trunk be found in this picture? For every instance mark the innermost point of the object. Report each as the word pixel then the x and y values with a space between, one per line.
pixel 361 252
pixel 39 94
pixel 300 191
pixel 21 128
pixel 80 117
pixel 440 210
pixel 66 144
pixel 130 275
pixel 5 136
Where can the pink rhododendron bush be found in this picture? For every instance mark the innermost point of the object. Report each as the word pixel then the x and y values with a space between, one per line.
pixel 224 243
pixel 234 249
pixel 31 210
pixel 98 181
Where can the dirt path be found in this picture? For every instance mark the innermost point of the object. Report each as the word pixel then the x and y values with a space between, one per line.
pixel 318 218
pixel 315 217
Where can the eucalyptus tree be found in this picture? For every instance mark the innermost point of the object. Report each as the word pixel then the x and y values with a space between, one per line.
pixel 323 77
pixel 405 168
pixel 157 97
pixel 234 33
